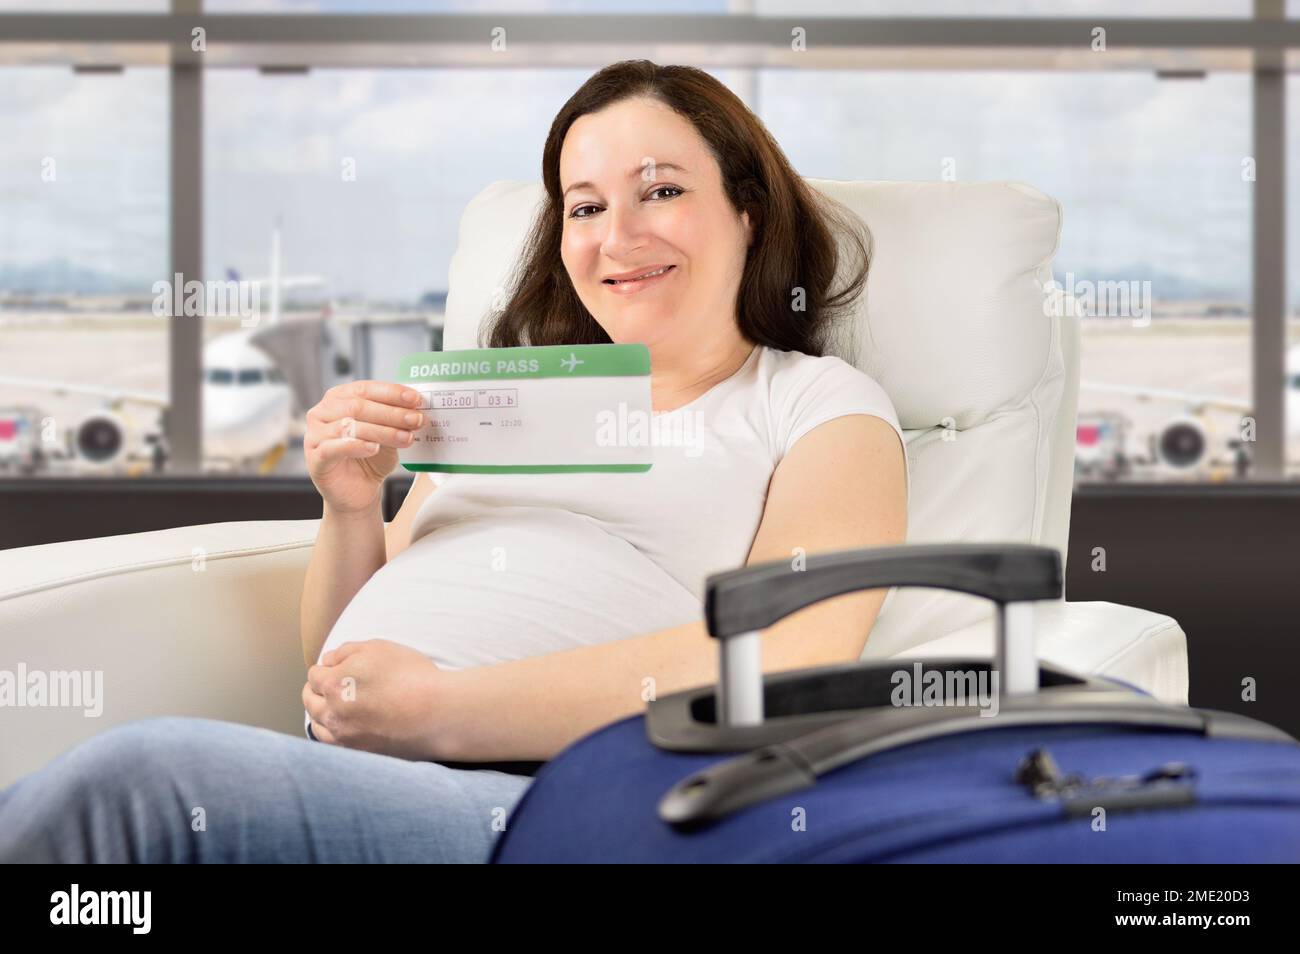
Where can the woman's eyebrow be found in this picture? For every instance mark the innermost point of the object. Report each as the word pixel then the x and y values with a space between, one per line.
pixel 631 172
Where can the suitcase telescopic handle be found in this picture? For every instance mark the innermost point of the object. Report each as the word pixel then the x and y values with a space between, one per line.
pixel 739 604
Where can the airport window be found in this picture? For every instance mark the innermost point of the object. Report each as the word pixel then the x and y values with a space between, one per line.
pixel 342 188
pixel 83 237
pixel 1155 242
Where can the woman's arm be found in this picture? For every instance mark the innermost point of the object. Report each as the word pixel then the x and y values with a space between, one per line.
pixel 842 486
pixel 349 549
pixel 397 535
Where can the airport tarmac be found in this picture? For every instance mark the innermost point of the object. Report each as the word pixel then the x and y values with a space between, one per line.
pixel 1206 356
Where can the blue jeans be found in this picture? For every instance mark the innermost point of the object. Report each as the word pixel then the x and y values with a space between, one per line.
pixel 182 789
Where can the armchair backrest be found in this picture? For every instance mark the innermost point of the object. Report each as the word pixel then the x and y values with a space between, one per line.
pixel 960 324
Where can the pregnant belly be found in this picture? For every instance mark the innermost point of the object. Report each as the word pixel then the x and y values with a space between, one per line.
pixel 516 582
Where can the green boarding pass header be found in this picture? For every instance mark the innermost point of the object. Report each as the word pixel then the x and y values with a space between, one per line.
pixel 546 361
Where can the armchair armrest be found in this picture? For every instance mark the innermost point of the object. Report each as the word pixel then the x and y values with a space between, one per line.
pixel 199 620
pixel 1145 649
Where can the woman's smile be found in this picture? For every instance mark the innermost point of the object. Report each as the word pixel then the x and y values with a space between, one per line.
pixel 632 286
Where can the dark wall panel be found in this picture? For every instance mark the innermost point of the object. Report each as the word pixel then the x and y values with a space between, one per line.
pixel 1224 560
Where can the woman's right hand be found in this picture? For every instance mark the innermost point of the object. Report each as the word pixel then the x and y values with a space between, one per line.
pixel 352 439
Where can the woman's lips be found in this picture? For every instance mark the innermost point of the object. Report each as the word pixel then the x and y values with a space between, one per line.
pixel 636 285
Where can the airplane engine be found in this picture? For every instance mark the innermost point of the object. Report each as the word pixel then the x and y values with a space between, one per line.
pixel 103 439
pixel 1182 443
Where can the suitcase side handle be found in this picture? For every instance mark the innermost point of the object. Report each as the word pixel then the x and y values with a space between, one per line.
pixel 726 787
pixel 739 604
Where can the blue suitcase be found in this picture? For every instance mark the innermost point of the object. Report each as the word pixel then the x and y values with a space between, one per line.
pixel 941 760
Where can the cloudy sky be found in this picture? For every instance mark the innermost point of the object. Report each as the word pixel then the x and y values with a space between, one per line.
pixel 1148 171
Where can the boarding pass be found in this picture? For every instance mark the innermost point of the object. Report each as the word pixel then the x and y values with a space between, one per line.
pixel 530 410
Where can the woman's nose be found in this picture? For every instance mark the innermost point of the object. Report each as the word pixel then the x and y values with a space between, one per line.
pixel 624 232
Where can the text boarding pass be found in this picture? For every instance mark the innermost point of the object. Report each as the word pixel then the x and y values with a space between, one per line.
pixel 530 410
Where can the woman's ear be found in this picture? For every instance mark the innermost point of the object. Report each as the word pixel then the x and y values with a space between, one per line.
pixel 749 229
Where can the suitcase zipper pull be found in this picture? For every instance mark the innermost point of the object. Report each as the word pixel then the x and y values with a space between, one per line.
pixel 1039 772
pixel 1169 784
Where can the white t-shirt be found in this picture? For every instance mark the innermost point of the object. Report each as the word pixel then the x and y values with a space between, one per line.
pixel 505 566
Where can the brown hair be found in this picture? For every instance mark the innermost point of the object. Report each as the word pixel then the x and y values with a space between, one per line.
pixel 794 243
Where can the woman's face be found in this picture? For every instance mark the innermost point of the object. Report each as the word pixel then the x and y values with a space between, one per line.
pixel 641 192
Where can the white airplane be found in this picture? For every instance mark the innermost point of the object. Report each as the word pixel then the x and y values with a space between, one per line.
pixel 247 402
pixel 1184 441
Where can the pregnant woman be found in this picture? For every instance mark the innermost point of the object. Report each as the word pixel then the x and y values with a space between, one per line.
pixel 499 618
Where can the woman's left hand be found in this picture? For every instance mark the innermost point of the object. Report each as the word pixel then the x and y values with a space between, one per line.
pixel 378 696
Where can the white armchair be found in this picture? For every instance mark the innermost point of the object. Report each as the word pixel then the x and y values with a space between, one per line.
pixel 959 324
